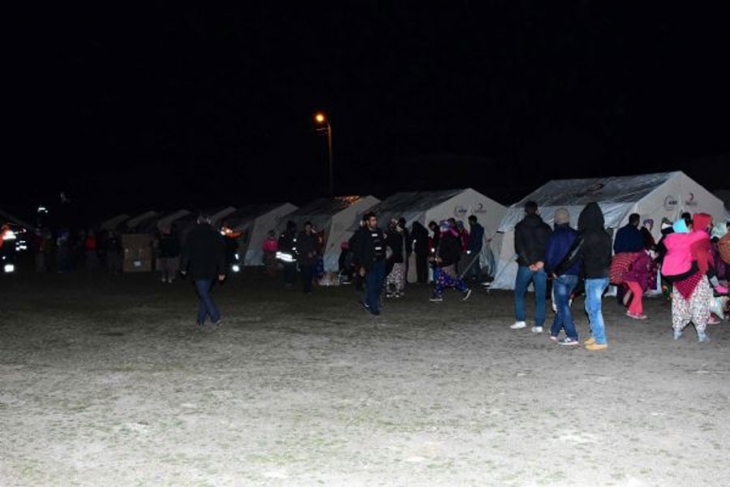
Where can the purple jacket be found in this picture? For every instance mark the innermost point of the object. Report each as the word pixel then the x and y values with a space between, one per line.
pixel 640 270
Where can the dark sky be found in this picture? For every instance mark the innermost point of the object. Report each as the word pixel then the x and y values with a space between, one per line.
pixel 171 106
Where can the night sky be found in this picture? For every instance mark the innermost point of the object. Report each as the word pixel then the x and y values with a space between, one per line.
pixel 170 106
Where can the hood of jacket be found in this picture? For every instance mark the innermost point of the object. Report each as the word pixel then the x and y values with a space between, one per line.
pixel 591 218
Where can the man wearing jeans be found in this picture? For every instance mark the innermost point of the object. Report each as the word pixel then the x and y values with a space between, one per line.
pixel 531 237
pixel 204 258
pixel 564 278
pixel 370 255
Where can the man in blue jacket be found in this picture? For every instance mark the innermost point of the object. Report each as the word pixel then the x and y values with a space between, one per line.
pixel 564 281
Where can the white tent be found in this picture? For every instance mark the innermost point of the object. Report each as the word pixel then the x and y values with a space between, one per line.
pixel 217 217
pixel 426 206
pixel 114 222
pixel 653 196
pixel 166 220
pixel 254 222
pixel 724 195
pixel 335 217
pixel 133 225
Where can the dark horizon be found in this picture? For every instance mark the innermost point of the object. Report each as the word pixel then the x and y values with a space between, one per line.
pixel 172 108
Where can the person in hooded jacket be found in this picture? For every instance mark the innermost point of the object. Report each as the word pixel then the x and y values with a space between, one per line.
pixel 419 236
pixel 531 238
pixel 593 249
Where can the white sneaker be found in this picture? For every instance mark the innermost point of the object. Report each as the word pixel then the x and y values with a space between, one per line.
pixel 518 325
pixel 537 329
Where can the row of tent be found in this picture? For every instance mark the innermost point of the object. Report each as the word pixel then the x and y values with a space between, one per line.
pixel 653 196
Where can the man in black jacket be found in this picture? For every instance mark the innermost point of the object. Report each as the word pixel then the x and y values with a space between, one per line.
pixel 419 237
pixel 531 238
pixel 204 258
pixel 370 255
pixel 287 253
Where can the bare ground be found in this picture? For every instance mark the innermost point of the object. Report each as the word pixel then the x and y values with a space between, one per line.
pixel 105 381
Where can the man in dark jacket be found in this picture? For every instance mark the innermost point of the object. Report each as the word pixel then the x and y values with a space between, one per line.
pixel 287 253
pixel 308 251
pixel 594 251
pixel 474 250
pixel 370 255
pixel 558 247
pixel 204 258
pixel 531 237
pixel 628 237
pixel 419 237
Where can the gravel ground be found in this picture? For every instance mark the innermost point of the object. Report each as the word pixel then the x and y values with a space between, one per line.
pixel 106 381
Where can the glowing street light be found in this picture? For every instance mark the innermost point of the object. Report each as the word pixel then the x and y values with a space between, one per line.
pixel 323 121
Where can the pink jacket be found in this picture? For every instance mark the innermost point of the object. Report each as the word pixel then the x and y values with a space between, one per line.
pixel 271 245
pixel 678 258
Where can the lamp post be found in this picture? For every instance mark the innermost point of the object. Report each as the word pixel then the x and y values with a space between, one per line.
pixel 323 121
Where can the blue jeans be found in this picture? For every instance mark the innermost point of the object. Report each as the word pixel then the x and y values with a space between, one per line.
pixel 562 287
pixel 206 306
pixel 594 293
pixel 539 281
pixel 374 286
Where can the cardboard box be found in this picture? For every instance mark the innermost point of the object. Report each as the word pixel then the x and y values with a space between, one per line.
pixel 137 265
pixel 137 247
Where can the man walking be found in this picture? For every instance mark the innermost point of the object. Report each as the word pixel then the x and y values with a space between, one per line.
pixel 370 254
pixel 531 237
pixel 204 258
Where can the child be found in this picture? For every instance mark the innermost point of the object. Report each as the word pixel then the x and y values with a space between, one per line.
pixel 637 279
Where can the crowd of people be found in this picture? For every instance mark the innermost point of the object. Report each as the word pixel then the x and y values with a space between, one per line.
pixel 691 263
pixel 690 258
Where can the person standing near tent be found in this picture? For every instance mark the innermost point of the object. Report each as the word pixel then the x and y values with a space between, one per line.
pixel 629 240
pixel 287 253
pixel 204 258
pixel 445 262
pixel 395 265
pixel 531 238
pixel 419 237
pixel 308 252
pixel 593 248
pixel 369 248
pixel 168 254
pixel 474 248
pixel 564 280
pixel 270 247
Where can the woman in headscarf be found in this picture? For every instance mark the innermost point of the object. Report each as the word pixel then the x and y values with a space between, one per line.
pixel 687 264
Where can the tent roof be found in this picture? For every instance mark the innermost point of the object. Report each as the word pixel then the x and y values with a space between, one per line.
pixel 608 191
pixel 326 206
pixel 415 200
pixel 250 212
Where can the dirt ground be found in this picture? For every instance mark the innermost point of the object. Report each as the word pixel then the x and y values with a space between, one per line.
pixel 104 380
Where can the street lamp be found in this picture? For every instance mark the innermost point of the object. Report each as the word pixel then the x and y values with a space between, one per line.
pixel 323 121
